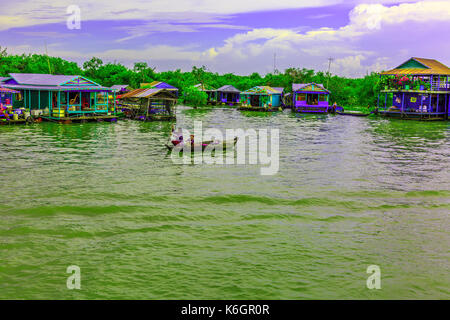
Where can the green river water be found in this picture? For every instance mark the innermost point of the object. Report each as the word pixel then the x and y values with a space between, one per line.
pixel 350 192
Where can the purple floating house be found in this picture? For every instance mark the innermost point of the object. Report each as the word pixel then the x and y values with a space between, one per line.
pixel 310 98
pixel 417 89
pixel 61 97
pixel 228 95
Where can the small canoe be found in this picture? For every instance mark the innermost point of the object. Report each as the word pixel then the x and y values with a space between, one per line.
pixel 173 145
pixel 353 113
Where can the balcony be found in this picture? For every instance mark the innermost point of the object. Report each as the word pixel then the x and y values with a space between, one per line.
pixel 435 84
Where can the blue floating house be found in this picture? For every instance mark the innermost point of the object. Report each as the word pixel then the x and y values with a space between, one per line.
pixel 262 97
pixel 61 97
pixel 419 88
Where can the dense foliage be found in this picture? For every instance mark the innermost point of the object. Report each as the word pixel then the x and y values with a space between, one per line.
pixel 345 91
pixel 195 97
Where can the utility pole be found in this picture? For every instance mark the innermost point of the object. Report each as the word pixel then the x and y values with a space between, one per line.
pixel 48 59
pixel 329 66
pixel 274 63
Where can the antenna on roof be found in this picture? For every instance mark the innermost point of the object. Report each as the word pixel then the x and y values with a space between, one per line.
pixel 275 71
pixel 328 72
pixel 48 59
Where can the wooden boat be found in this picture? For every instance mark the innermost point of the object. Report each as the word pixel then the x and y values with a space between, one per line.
pixel 353 113
pixel 196 146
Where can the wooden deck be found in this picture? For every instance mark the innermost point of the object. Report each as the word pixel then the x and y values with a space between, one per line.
pixel 149 118
pixel 98 118
pixel 413 115
pixel 5 122
pixel 258 109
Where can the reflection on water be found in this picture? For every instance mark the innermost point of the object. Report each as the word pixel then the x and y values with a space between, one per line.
pixel 350 192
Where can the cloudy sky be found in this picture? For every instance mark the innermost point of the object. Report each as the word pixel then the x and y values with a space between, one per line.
pixel 239 36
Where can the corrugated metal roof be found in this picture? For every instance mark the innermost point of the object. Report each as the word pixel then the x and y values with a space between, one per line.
pixel 159 85
pixel 41 79
pixel 119 87
pixel 55 88
pixel 228 88
pixel 279 89
pixel 145 93
pixel 433 67
pixel 262 90
pixel 300 86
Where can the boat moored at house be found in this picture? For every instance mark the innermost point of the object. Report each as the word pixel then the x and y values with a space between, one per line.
pixel 61 98
pixel 310 98
pixel 262 98
pixel 228 95
pixel 419 89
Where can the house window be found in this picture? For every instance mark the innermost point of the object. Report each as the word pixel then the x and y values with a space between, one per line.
pixel 322 97
pixel 301 97
pixel 101 98
pixel 74 98
pixel 63 98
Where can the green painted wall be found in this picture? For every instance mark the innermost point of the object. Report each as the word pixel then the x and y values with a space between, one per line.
pixel 412 64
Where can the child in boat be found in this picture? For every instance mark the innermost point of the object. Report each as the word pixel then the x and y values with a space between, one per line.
pixel 334 107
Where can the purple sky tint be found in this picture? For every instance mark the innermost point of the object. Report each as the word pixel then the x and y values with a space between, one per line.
pixel 174 34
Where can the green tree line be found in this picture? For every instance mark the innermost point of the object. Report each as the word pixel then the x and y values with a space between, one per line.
pixel 348 92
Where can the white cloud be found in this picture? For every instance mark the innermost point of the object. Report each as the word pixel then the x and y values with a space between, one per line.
pixel 342 43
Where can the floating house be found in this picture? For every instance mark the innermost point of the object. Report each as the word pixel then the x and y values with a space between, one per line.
pixel 149 104
pixel 211 92
pixel 61 97
pixel 7 114
pixel 7 96
pixel 228 95
pixel 417 89
pixel 120 88
pixel 262 98
pixel 310 98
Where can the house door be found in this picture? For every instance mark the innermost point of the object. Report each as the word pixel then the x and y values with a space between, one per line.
pixel 254 101
pixel 85 100
pixel 313 99
pixel 55 101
